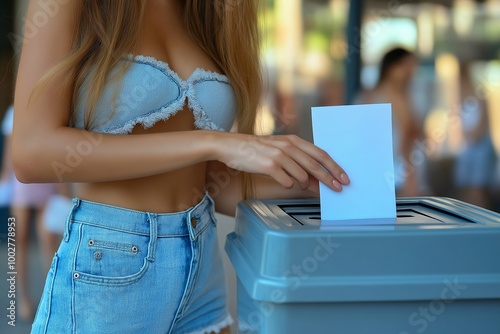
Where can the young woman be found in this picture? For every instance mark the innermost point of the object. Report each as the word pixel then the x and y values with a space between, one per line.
pixel 133 100
pixel 396 72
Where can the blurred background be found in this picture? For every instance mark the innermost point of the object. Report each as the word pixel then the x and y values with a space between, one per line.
pixel 329 52
pixel 437 62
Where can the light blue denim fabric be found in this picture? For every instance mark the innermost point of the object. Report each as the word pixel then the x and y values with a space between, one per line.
pixel 150 91
pixel 124 271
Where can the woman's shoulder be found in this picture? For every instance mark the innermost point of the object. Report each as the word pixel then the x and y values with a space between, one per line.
pixel 49 31
pixel 48 39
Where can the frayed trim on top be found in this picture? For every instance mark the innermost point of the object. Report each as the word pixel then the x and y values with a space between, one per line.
pixel 147 121
pixel 201 119
pixel 198 74
pixel 228 321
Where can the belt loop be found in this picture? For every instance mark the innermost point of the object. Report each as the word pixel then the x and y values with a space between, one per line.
pixel 210 199
pixel 67 225
pixel 153 236
pixel 212 203
pixel 192 223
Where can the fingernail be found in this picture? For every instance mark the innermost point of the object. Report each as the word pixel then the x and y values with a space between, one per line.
pixel 336 185
pixel 344 178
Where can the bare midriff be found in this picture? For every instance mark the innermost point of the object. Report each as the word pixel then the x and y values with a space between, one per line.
pixel 169 192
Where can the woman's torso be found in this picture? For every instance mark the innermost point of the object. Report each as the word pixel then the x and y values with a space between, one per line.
pixel 164 37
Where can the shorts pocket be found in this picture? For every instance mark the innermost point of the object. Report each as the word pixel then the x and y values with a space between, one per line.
pixel 110 257
pixel 43 311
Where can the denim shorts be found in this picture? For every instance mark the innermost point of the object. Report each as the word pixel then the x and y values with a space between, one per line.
pixel 124 271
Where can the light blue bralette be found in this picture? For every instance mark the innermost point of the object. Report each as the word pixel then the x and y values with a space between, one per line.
pixel 150 91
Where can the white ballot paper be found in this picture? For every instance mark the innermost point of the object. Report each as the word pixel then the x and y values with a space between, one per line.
pixel 358 138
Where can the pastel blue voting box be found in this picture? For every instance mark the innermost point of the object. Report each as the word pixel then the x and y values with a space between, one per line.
pixel 434 270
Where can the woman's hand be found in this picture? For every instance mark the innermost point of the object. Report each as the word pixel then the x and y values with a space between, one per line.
pixel 287 159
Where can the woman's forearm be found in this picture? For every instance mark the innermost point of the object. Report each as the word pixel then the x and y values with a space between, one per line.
pixel 73 155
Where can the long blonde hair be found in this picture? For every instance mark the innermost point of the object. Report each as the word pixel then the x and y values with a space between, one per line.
pixel 226 30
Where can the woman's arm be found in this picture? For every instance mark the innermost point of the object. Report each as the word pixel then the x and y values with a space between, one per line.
pixel 45 149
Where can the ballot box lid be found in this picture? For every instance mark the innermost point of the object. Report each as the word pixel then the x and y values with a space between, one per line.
pixel 283 251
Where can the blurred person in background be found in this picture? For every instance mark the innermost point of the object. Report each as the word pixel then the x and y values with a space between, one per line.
pixel 27 204
pixel 396 72
pixel 475 164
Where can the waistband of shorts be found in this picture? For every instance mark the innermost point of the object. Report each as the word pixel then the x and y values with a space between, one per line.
pixel 139 222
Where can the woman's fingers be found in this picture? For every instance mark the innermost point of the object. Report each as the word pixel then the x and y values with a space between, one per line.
pixel 282 178
pixel 284 165
pixel 323 158
pixel 314 161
